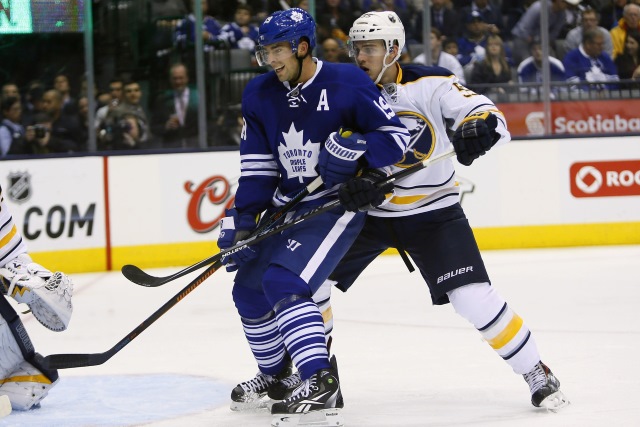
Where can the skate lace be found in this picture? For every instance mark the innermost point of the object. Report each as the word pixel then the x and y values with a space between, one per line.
pixel 536 379
pixel 260 382
pixel 292 380
pixel 304 389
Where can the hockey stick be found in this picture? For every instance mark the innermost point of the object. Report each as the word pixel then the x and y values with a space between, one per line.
pixel 136 275
pixel 65 361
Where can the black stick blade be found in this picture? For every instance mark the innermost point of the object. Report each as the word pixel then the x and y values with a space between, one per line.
pixel 139 277
pixel 66 361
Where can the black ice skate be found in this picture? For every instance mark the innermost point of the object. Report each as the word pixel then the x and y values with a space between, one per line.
pixel 252 394
pixel 313 403
pixel 545 388
pixel 285 387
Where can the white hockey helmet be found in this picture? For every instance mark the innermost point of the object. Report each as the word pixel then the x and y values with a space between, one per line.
pixel 384 26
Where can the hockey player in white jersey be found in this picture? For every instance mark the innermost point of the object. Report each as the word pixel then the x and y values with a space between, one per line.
pixel 424 216
pixel 48 296
pixel 288 114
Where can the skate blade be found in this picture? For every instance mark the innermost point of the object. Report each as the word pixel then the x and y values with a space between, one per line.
pixel 5 406
pixel 555 401
pixel 320 418
pixel 255 405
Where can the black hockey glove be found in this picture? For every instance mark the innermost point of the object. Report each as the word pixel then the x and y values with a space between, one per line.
pixel 361 193
pixel 475 136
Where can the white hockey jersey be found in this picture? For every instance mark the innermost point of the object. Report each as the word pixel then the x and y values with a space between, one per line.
pixel 11 242
pixel 429 101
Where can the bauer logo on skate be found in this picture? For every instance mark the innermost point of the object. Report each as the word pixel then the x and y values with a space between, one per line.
pixel 605 179
pixel 454 273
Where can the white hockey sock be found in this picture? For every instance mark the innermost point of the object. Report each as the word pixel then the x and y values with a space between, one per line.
pixel 500 326
pixel 322 297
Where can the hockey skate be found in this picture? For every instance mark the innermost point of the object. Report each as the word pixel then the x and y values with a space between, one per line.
pixel 252 394
pixel 315 402
pixel 545 388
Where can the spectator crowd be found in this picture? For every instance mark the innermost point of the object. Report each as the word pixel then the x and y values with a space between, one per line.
pixel 492 46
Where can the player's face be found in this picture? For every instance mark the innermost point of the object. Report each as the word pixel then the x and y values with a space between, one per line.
pixel 281 58
pixel 369 55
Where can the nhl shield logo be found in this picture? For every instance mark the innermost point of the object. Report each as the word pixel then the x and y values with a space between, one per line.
pixel 19 190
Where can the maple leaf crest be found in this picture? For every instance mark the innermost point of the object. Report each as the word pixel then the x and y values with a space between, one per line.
pixel 297 157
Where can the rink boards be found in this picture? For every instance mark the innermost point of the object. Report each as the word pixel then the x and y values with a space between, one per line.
pixel 100 212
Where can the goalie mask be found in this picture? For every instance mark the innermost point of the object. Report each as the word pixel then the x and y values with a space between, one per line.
pixel 385 26
pixel 285 26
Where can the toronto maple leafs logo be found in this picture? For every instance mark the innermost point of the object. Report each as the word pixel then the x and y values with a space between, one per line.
pixel 297 157
pixel 296 16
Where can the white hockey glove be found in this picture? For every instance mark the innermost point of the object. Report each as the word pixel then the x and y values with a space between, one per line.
pixel 47 294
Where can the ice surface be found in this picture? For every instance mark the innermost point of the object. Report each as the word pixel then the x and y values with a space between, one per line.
pixel 403 362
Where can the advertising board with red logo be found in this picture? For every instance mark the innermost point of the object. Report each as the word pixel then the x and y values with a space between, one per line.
pixel 574 117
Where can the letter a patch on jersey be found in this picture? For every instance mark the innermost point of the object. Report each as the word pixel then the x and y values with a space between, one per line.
pixel 323 104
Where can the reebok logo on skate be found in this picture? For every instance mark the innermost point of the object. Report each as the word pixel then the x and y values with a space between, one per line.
pixel 454 273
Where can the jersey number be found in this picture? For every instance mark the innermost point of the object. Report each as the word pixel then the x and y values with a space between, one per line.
pixel 384 107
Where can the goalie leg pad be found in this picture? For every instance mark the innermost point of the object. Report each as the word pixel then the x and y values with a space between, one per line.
pixel 47 294
pixel 26 386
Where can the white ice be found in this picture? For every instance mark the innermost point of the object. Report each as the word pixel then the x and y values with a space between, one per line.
pixel 403 362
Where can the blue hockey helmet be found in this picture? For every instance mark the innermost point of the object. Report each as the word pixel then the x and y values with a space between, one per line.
pixel 288 26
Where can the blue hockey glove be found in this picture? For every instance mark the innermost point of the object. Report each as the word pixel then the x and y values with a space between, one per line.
pixel 234 228
pixel 361 193
pixel 338 161
pixel 475 136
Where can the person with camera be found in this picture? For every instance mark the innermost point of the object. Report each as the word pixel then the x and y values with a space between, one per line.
pixel 53 131
pixel 127 126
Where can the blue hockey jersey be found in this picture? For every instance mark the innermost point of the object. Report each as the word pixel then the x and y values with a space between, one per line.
pixel 285 129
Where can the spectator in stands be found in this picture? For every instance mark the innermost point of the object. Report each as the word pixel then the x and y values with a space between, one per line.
pixel 54 131
pixel 9 89
pixel 401 8
pixel 210 32
pixel 530 70
pixel 630 21
pixel 527 28
pixel 451 47
pixel 444 18
pixel 334 18
pixel 611 14
pixel 175 116
pixel 440 58
pixel 33 102
pixel 589 63
pixel 12 140
pixel 333 51
pixel 128 124
pixel 61 84
pixel 628 63
pixel 471 44
pixel 83 117
pixel 490 12
pixel 241 33
pixel 493 69
pixel 590 19
pixel 116 94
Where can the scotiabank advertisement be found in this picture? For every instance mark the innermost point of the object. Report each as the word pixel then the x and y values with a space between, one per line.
pixel 574 117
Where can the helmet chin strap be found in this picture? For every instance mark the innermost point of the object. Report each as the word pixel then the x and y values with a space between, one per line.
pixel 297 79
pixel 384 66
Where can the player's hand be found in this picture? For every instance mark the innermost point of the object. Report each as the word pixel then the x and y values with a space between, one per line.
pixel 234 228
pixel 475 136
pixel 361 193
pixel 338 160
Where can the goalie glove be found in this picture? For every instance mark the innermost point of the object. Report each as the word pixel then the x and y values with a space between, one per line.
pixel 234 228
pixel 361 193
pixel 338 160
pixel 475 136
pixel 47 294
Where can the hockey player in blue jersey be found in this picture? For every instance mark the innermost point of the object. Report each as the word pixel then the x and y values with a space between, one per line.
pixel 288 115
pixel 424 216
